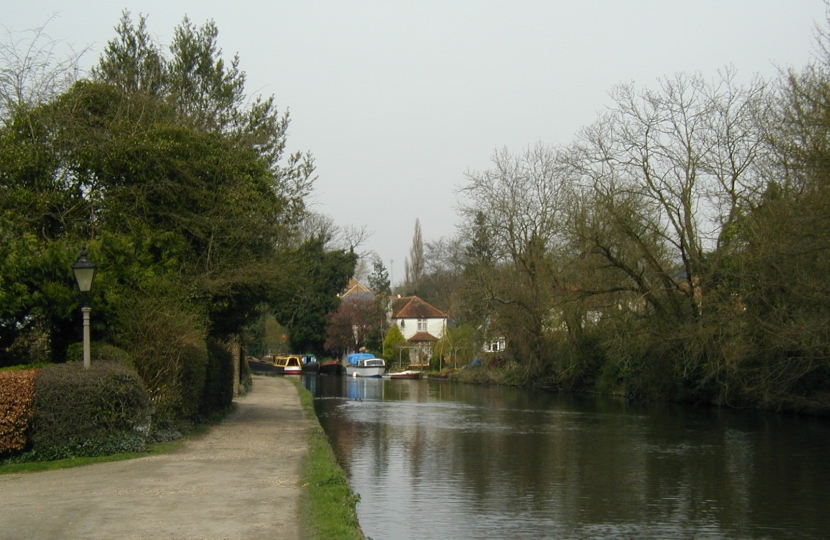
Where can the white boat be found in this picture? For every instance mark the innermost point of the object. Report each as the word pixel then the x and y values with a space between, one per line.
pixel 365 365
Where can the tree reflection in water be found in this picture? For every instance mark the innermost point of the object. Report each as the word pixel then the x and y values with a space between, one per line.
pixel 433 459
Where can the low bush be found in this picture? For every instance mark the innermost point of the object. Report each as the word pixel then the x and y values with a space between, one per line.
pixel 17 393
pixel 89 412
pixel 511 374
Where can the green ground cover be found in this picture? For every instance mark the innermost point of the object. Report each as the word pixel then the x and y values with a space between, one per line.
pixel 152 449
pixel 328 505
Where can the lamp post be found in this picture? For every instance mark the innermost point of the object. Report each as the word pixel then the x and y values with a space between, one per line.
pixel 84 274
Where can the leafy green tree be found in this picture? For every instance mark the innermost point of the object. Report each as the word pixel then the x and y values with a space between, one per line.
pixel 379 279
pixel 457 347
pixel 392 342
pixel 381 285
pixel 132 61
pixel 176 182
pixel 311 279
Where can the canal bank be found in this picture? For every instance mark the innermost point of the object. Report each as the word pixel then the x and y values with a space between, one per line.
pixel 240 480
pixel 488 461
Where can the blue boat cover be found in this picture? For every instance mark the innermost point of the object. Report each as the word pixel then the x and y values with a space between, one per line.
pixel 357 357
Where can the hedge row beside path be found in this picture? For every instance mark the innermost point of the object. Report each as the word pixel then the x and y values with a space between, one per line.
pixel 64 411
pixel 17 394
pixel 88 412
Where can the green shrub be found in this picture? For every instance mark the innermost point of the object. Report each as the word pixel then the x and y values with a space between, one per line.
pixel 114 443
pixel 394 339
pixel 218 388
pixel 510 374
pixel 98 352
pixel 89 412
pixel 165 337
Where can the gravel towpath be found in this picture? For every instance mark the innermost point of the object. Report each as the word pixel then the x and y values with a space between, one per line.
pixel 240 480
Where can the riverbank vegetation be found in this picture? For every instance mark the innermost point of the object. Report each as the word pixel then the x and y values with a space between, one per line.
pixel 328 504
pixel 676 250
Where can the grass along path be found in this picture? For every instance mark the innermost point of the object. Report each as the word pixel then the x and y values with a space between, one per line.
pixel 328 505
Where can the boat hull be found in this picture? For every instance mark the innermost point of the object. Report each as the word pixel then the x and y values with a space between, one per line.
pixel 331 368
pixel 365 365
pixel 405 375
pixel 365 371
pixel 311 367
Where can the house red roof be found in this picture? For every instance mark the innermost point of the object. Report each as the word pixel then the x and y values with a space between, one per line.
pixel 423 336
pixel 412 307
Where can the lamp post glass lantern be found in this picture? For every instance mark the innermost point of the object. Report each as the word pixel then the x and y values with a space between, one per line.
pixel 84 274
pixel 84 271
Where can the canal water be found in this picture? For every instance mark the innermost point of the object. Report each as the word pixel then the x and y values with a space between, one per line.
pixel 439 460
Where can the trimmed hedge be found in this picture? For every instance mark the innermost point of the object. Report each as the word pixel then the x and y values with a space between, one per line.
pixel 98 351
pixel 17 394
pixel 89 412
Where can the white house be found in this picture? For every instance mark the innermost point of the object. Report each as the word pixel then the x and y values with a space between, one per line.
pixel 494 345
pixel 421 325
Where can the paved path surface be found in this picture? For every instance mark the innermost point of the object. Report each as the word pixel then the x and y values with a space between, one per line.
pixel 241 480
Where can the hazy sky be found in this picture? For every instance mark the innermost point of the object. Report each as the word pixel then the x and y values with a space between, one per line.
pixel 397 100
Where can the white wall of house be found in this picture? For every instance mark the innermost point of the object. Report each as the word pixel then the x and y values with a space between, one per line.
pixel 410 327
pixel 494 345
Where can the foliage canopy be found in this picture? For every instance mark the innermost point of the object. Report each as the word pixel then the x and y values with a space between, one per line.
pixel 184 192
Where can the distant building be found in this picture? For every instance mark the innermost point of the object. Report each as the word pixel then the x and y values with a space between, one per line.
pixel 421 325
pixel 495 345
pixel 355 287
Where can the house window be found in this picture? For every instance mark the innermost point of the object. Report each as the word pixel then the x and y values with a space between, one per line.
pixel 422 325
pixel 498 345
pixel 403 323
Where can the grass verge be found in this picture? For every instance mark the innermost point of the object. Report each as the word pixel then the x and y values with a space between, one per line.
pixel 509 375
pixel 38 466
pixel 328 503
pixel 152 449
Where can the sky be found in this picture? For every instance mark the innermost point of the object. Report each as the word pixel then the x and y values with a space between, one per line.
pixel 399 100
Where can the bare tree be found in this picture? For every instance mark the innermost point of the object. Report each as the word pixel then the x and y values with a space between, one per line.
pixel 521 202
pixel 672 171
pixel 516 217
pixel 34 68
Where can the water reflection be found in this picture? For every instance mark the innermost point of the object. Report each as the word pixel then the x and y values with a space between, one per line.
pixel 433 459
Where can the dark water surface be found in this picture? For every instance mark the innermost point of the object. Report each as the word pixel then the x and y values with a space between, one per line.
pixel 438 460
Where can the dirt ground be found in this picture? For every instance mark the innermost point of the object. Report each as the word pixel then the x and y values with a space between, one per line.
pixel 241 480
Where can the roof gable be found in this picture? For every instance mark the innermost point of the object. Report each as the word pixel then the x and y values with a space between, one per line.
pixel 354 287
pixel 412 307
pixel 423 336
